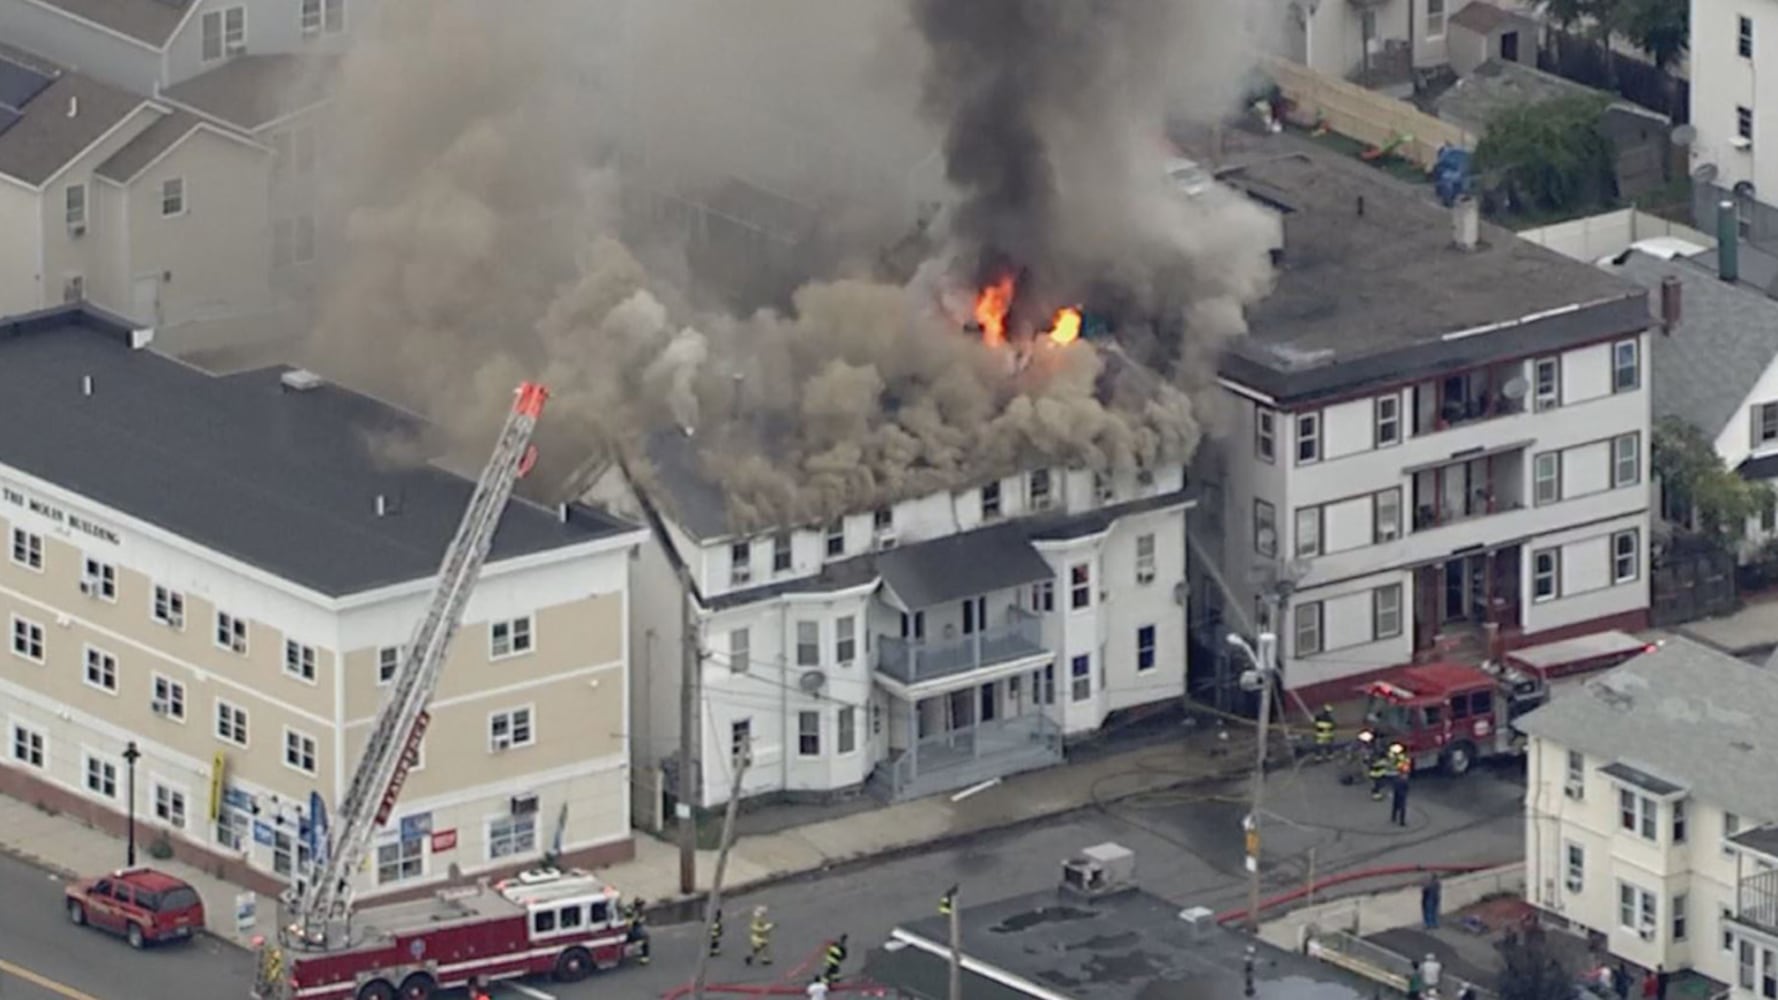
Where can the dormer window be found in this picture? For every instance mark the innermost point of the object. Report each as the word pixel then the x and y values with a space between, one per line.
pixel 991 501
pixel 1040 489
pixel 740 556
pixel 883 520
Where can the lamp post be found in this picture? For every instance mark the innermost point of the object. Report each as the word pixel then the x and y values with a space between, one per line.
pixel 1265 669
pixel 130 756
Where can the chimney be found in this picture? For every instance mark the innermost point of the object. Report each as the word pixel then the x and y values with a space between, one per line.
pixel 86 385
pixel 1670 304
pixel 1466 222
pixel 1728 242
pixel 73 107
pixel 382 505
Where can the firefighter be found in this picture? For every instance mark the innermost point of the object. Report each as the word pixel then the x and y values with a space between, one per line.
pixel 759 938
pixel 836 956
pixel 638 932
pixel 716 933
pixel 1400 762
pixel 1378 772
pixel 1324 733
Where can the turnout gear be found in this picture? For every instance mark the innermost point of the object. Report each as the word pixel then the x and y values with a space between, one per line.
pixel 1324 732
pixel 1378 772
pixel 947 902
pixel 716 933
pixel 836 957
pixel 638 931
pixel 759 938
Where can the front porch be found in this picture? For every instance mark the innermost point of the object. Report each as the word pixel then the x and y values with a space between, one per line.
pixel 951 740
pixel 1462 602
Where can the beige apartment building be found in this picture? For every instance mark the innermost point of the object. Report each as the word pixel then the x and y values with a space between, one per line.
pixel 222 570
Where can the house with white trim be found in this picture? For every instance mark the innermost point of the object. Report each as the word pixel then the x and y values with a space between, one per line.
pixel 221 572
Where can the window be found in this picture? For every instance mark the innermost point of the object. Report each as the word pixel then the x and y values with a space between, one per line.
pixel 1625 558
pixel 1046 686
pixel 808 734
pixel 27 639
pixel 1633 904
pixel 1636 813
pixel 510 836
pixel 1265 434
pixel 401 860
pixel 1744 36
pixel 1679 821
pixel 1308 531
pixel 1080 677
pixel 740 560
pixel 1308 438
pixel 1743 124
pixel 169 607
pixel 511 728
pixel 1626 460
pixel 1386 516
pixel 1546 575
pixel 1576 866
pixel 740 650
pixel 1576 777
pixel 509 638
pixel 1308 628
pixel 990 501
pixel 1388 420
pixel 1144 560
pixel 848 726
pixel 1547 392
pixel 1080 586
pixel 836 538
pixel 1725 917
pixel 1546 477
pixel 1435 18
pixel 231 632
pixel 101 776
pixel 1104 490
pixel 388 662
pixel 1626 374
pixel 98 579
pixel 299 660
pixel 808 644
pixel 323 15
pixel 1679 916
pixel 169 698
pixel 74 208
pixel 1765 423
pixel 101 670
pixel 299 751
pixel 1265 529
pixel 169 805
pixel 27 745
pixel 845 640
pixel 172 197
pixel 882 520
pixel 1040 489
pixel 1386 612
pixel 1746 965
pixel 1731 825
pixel 1043 595
pixel 231 723
pixel 740 738
pixel 224 33
pixel 27 549
pixel 1145 648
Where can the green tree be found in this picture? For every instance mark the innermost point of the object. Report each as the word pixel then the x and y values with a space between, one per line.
pixel 1660 28
pixel 1529 972
pixel 1698 490
pixel 1552 154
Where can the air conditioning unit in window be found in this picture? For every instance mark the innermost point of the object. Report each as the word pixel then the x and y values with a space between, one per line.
pixel 1574 883
pixel 1574 790
pixel 88 587
pixel 886 540
pixel 176 619
pixel 158 706
pixel 76 230
pixel 1647 932
pixel 502 743
pixel 523 805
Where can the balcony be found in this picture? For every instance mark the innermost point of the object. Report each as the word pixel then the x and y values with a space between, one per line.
pixel 1756 901
pixel 915 661
pixel 1492 482
pixel 968 755
pixel 1468 398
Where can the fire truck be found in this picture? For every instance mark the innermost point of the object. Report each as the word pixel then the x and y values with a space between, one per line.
pixel 561 922
pixel 1449 715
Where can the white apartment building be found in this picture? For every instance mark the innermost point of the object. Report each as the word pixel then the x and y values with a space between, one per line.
pixel 222 571
pixel 1437 433
pixel 1647 809
pixel 1734 107
pixel 922 646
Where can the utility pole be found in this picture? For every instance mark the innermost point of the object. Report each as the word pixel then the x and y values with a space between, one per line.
pixel 691 659
pixel 956 945
pixel 713 907
pixel 1264 674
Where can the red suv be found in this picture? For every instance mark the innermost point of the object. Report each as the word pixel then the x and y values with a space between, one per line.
pixel 140 903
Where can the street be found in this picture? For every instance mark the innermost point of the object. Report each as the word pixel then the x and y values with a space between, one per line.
pixel 1188 849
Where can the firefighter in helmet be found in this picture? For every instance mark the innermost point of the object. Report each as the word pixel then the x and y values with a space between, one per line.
pixel 759 938
pixel 1377 770
pixel 834 958
pixel 716 933
pixel 1399 762
pixel 638 932
pixel 1324 733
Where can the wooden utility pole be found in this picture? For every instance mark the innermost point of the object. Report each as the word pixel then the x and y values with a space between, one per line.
pixel 691 661
pixel 713 907
pixel 956 948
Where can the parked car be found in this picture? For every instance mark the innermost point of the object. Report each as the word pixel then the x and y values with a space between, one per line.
pixel 141 904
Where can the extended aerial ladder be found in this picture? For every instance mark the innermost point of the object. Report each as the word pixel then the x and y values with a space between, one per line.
pixel 322 902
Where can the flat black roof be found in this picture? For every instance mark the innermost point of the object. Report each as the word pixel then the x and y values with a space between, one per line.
pixel 1362 297
pixel 1131 946
pixel 284 481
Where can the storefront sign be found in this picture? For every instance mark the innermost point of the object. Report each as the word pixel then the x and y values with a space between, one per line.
pixel 59 515
pixel 444 840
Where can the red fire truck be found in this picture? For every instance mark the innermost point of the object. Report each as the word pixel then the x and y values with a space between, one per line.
pixel 543 922
pixel 1449 715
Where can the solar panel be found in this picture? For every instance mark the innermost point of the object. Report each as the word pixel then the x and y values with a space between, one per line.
pixel 18 84
pixel 8 118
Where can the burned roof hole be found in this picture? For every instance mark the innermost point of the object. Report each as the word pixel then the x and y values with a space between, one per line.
pixel 1043 915
pixel 1121 968
pixel 1105 942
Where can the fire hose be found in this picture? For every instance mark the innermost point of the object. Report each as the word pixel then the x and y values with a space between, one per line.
pixel 1343 878
pixel 787 987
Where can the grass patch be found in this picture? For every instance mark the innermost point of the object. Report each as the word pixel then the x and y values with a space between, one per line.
pixel 1343 145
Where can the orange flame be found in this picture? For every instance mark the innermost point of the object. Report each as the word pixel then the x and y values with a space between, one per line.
pixel 1065 328
pixel 991 306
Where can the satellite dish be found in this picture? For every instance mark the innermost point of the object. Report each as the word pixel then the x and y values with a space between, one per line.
pixel 812 681
pixel 1515 388
pixel 1684 135
pixel 1705 173
pixel 1744 189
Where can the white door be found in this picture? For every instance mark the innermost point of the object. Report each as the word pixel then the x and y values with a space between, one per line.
pixel 145 299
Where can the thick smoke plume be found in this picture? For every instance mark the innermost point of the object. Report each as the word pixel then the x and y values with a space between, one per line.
pixel 677 216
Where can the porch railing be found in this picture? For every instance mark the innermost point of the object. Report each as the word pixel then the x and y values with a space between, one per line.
pixel 1756 900
pixel 911 661
pixel 984 745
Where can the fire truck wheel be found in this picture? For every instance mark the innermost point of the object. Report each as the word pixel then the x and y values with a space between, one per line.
pixel 76 913
pixel 133 934
pixel 573 965
pixel 376 989
pixel 1458 759
pixel 418 986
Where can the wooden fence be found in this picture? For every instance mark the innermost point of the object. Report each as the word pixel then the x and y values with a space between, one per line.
pixel 1690 582
pixel 1365 115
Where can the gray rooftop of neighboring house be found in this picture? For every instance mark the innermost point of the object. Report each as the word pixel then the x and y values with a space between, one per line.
pixel 284 481
pixel 1363 297
pixel 127 162
pixel 150 21
pixel 1482 17
pixel 46 137
pixel 1496 85
pixel 1726 339
pixel 1685 714
pixel 251 91
pixel 1757 269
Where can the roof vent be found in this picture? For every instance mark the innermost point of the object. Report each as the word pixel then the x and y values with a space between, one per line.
pixel 301 380
pixel 1466 223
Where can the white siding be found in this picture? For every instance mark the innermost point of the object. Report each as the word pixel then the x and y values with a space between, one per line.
pixel 1348 428
pixel 1586 469
pixel 1349 644
pixel 1586 587
pixel 21 222
pixel 1350 524
pixel 1721 80
pixel 1586 374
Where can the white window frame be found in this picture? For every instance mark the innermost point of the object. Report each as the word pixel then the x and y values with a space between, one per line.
pixel 104 769
pixel 316 18
pixel 401 861
pixel 231 724
pixel 1080 586
pixel 520 637
pixel 170 695
pixel 512 717
pixel 1765 423
pixel 1634 900
pixel 29 545
pixel 740 650
pixel 1306 532
pixel 35 647
pixel 1145 560
pixel 510 836
pixel 1042 490
pixel 300 661
pixel 167 606
pixel 1147 648
pixel 836 539
pixel 1575 774
pixel 168 803
pixel 388 664
pixel 1574 866
pixel 1626 556
pixel 1546 395
pixel 75 210
pixel 1265 434
pixel 27 745
pixel 1744 122
pixel 235 628
pixel 845 730
pixel 302 752
pixel 230 40
pixel 782 557
pixel 740 565
pixel 1308 437
pixel 1554 576
pixel 1388 421
pixel 1626 460
pixel 808 642
pixel 1386 515
pixel 173 194
pixel 1620 351
pixel 1265 517
pixel 1435 20
pixel 1080 677
pixel 808 737
pixel 98 578
pixel 1306 628
pixel 1638 814
pixel 98 669
pixel 1678 917
pixel 1386 616
pixel 740 737
pixel 990 500
pixel 845 640
pixel 1546 478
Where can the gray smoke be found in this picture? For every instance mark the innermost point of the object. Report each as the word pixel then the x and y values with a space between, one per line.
pixel 675 216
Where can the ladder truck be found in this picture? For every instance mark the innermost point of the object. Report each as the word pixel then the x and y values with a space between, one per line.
pixel 541 921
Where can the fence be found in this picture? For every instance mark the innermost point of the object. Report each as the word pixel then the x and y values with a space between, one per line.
pixel 1609 234
pixel 1692 582
pixel 1365 115
pixel 1581 60
pixel 1379 964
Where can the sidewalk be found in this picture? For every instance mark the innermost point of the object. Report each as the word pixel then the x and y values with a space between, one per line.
pixel 69 847
pixel 1751 631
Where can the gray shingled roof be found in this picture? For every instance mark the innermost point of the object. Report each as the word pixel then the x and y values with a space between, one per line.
pixel 1757 268
pixel 963 565
pixel 1481 17
pixel 1726 339
pixel 151 21
pixel 46 138
pixel 127 162
pixel 284 481
pixel 1497 85
pixel 1686 713
pixel 249 91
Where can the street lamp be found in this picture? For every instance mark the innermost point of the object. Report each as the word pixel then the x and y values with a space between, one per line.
pixel 130 756
pixel 1261 677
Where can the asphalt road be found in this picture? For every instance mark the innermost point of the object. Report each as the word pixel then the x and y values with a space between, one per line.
pixel 1188 849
